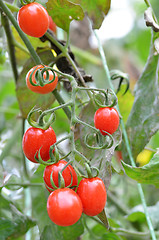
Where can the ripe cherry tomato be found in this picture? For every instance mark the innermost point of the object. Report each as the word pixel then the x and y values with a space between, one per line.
pixel 106 119
pixel 68 174
pixel 93 195
pixel 33 19
pixel 36 138
pixel 52 25
pixel 46 88
pixel 64 207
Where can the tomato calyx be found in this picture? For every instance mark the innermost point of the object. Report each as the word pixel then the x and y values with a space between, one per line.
pixel 25 2
pixel 39 74
pixel 61 181
pixel 105 98
pixel 101 142
pixel 91 172
pixel 41 122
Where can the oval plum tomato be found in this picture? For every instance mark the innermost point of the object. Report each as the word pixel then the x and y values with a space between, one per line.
pixel 33 19
pixel 36 139
pixel 68 174
pixel 52 25
pixel 44 89
pixel 93 195
pixel 106 119
pixel 64 207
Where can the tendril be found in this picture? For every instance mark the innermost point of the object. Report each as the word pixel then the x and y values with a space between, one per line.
pixel 25 2
pixel 41 76
pixel 118 75
pixel 39 159
pixel 101 141
pixel 41 123
pixel 102 98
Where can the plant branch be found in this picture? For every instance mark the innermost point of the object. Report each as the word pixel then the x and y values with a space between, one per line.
pixel 12 7
pixel 134 234
pixel 10 41
pixel 61 101
pixel 24 185
pixel 147 3
pixel 117 203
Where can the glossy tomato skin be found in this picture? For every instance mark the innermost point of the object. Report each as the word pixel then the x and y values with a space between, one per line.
pixel 64 207
pixel 67 173
pixel 36 138
pixel 93 195
pixel 52 25
pixel 33 19
pixel 106 119
pixel 46 88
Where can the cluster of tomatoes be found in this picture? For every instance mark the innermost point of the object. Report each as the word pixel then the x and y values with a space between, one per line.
pixel 67 199
pixel 65 204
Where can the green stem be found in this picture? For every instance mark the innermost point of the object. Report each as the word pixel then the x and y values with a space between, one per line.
pixel 75 69
pixel 24 164
pixel 147 3
pixel 117 203
pixel 66 54
pixel 10 41
pixel 61 102
pixel 21 47
pixel 55 42
pixel 10 143
pixel 101 50
pixel 63 49
pixel 12 7
pixel 24 185
pixel 135 235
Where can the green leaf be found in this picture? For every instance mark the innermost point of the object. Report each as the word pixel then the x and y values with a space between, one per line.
pixel 95 9
pixel 12 222
pixel 7 228
pixel 148 174
pixel 51 232
pixel 72 232
pixel 63 12
pixel 28 99
pixel 143 121
pixel 99 230
pixel 137 214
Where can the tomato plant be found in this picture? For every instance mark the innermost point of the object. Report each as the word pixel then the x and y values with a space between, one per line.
pixel 52 25
pixel 83 134
pixel 47 88
pixel 68 174
pixel 106 119
pixel 33 19
pixel 93 195
pixel 64 207
pixel 36 139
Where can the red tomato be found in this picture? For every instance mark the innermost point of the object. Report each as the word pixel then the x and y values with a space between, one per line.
pixel 64 207
pixel 36 138
pixel 67 174
pixel 106 119
pixel 52 25
pixel 46 88
pixel 93 195
pixel 33 19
